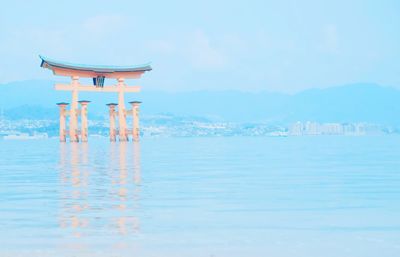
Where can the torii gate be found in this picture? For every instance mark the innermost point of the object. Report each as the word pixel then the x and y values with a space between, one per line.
pixel 98 73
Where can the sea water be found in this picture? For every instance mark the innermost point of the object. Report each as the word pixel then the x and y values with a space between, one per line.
pixel 233 196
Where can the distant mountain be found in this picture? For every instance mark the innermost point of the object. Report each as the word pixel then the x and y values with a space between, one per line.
pixel 350 103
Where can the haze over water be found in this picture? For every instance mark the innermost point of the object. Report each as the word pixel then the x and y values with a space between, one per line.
pixel 235 196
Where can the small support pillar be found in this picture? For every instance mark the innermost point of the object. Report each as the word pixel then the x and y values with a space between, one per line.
pixel 63 115
pixel 113 113
pixel 73 119
pixel 135 115
pixel 84 121
pixel 123 136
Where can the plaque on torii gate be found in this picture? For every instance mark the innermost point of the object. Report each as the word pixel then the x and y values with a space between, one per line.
pixel 99 74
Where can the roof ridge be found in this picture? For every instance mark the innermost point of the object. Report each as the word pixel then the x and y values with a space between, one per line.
pixel 46 62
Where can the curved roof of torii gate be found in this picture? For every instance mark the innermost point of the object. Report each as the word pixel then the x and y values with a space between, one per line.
pixel 70 69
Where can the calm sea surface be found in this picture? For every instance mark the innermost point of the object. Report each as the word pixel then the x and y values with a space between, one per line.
pixel 278 197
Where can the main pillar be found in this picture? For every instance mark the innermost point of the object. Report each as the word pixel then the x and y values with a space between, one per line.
pixel 123 136
pixel 112 112
pixel 135 115
pixel 73 119
pixel 63 115
pixel 84 122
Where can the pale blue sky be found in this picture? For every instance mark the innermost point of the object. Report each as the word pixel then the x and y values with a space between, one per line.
pixel 284 46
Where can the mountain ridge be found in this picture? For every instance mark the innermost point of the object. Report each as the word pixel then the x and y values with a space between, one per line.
pixel 359 102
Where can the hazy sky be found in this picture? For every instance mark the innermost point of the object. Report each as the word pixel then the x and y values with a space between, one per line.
pixel 209 45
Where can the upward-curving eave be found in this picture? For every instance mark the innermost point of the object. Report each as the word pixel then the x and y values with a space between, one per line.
pixel 66 68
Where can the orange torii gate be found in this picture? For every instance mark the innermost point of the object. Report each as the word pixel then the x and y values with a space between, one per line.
pixel 99 74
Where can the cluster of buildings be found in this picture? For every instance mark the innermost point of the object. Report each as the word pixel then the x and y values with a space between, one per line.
pixel 27 129
pixel 315 128
pixel 172 126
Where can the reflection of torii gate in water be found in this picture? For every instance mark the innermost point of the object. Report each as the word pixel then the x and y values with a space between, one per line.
pixel 123 179
pixel 98 73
